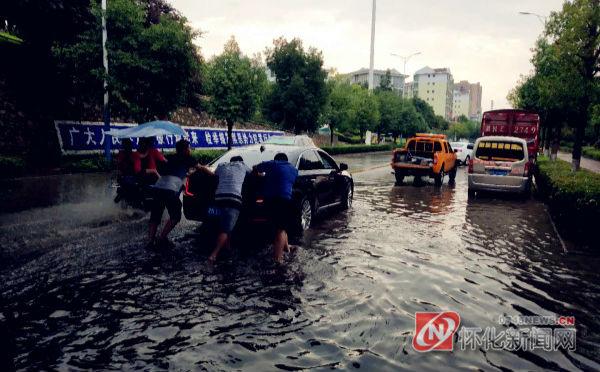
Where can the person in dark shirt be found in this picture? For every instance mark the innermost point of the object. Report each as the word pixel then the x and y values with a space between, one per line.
pixel 166 193
pixel 280 176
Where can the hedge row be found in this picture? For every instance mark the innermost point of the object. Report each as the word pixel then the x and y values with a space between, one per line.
pixel 573 198
pixel 591 152
pixel 338 150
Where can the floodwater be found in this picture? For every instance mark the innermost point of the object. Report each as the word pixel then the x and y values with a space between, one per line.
pixel 79 292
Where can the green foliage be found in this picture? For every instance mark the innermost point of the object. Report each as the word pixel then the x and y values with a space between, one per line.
pixel 390 109
pixel 428 115
pixel 207 156
pixel 11 166
pixel 338 150
pixel 84 164
pixel 385 85
pixel 564 87
pixel 464 128
pixel 591 152
pixel 300 93
pixel 365 110
pixel 153 67
pixel 235 84
pixel 574 197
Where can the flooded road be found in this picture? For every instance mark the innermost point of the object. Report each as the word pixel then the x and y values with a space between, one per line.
pixel 78 290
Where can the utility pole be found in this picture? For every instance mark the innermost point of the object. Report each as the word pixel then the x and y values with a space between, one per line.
pixel 106 109
pixel 372 46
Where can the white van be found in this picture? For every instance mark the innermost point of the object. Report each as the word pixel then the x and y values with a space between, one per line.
pixel 500 164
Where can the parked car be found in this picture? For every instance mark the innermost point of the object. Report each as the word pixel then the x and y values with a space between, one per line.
pixel 428 155
pixel 500 164
pixel 321 185
pixel 463 150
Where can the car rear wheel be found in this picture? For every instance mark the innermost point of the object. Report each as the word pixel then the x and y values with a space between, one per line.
pixel 452 173
pixel 399 178
pixel 439 178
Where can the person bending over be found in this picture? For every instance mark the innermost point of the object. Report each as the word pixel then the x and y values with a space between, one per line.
pixel 228 199
pixel 280 176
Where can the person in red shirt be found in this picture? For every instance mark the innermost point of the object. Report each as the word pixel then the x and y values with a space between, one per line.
pixel 150 157
pixel 129 162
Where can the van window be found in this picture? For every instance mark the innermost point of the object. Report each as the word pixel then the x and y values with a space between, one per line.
pixel 412 145
pixel 500 151
pixel 437 147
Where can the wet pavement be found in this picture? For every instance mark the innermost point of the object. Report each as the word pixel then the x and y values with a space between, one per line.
pixel 80 292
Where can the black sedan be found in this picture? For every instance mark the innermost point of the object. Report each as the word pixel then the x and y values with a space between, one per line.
pixel 321 185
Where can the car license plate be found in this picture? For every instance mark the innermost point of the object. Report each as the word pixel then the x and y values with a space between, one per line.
pixel 498 172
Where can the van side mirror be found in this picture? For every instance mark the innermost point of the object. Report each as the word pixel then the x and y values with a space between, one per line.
pixel 343 166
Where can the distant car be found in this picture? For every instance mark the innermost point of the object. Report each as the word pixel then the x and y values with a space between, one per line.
pixel 463 150
pixel 299 140
pixel 425 155
pixel 500 164
pixel 321 184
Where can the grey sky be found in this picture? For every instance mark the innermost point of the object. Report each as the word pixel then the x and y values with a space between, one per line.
pixel 479 40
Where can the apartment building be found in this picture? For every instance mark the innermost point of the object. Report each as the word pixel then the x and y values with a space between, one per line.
pixel 362 77
pixel 436 87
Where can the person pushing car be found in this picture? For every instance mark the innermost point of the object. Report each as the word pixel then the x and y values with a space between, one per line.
pixel 280 176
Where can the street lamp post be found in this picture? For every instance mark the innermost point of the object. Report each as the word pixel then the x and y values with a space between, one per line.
pixel 372 61
pixel 106 110
pixel 541 18
pixel 405 58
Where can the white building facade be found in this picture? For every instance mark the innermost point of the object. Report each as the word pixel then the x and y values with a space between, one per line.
pixel 436 87
pixel 362 77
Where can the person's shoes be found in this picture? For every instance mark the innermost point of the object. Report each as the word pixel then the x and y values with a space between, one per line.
pixel 165 243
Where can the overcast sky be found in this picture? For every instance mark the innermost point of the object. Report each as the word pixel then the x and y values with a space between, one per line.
pixel 479 40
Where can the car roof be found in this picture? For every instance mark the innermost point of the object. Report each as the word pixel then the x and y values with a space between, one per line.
pixel 501 138
pixel 253 154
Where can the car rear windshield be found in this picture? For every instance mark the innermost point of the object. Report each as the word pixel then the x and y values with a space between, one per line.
pixel 500 151
pixel 281 140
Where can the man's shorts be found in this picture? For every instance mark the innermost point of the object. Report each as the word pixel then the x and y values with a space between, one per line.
pixel 281 213
pixel 228 217
pixel 165 199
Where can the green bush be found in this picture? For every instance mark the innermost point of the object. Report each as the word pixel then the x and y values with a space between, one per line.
pixel 11 166
pixel 591 152
pixel 85 163
pixel 206 156
pixel 353 140
pixel 573 197
pixel 337 150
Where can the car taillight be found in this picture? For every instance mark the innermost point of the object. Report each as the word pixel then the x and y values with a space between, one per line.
pixel 187 192
pixel 470 165
pixel 435 158
pixel 527 168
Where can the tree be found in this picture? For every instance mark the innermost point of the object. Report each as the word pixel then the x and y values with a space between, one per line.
pixel 300 92
pixel 153 64
pixel 386 82
pixel 410 121
pixel 426 112
pixel 338 111
pixel 575 31
pixel 365 110
pixel 390 108
pixel 235 85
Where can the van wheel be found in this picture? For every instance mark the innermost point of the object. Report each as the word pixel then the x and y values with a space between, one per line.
pixel 452 173
pixel 439 178
pixel 399 178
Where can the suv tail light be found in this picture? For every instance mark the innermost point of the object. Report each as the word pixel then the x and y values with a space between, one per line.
pixel 470 165
pixel 187 192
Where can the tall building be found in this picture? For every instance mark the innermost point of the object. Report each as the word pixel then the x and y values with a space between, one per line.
pixel 362 77
pixel 435 86
pixel 467 100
